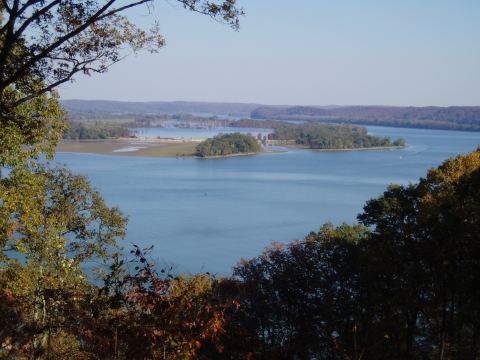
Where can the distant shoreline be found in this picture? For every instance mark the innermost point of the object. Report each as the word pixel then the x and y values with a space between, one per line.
pixel 302 147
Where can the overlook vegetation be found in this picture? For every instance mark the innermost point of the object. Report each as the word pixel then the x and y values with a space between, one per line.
pixel 228 144
pixel 331 136
pixel 402 284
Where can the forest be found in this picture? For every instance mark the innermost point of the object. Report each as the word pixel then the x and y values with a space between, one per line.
pixel 228 144
pixel 461 118
pixel 331 136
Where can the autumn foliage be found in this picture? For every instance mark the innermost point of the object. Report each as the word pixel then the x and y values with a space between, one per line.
pixel 401 285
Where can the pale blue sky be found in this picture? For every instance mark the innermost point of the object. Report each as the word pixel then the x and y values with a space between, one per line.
pixel 305 52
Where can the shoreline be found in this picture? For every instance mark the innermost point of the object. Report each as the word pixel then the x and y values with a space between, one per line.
pixel 145 147
pixel 171 148
pixel 302 147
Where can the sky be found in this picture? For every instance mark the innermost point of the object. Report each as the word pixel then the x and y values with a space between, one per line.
pixel 304 52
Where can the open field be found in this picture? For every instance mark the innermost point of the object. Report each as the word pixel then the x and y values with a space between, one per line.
pixel 129 147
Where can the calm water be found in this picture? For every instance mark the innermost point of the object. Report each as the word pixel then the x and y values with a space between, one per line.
pixel 209 213
pixel 201 134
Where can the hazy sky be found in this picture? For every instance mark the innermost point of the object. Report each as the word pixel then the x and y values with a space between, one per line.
pixel 305 52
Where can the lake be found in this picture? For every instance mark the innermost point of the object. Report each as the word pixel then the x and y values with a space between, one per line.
pixel 206 214
pixel 195 134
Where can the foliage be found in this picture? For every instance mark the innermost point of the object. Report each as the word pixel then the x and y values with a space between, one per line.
pixel 330 136
pixel 95 132
pixel 32 128
pixel 301 300
pixel 52 224
pixel 150 314
pixel 438 221
pixel 133 316
pixel 403 288
pixel 400 142
pixel 228 144
pixel 47 209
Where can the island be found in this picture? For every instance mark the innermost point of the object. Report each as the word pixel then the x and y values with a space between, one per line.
pixel 325 136
pixel 228 144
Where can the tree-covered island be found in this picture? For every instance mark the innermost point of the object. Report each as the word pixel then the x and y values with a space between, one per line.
pixel 228 144
pixel 332 136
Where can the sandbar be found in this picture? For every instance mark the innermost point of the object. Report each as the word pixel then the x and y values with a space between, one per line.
pixel 130 147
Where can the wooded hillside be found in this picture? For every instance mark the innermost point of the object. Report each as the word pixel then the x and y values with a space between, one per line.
pixel 448 118
pixel 156 107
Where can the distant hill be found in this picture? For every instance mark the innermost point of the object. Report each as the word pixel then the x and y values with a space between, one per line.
pixel 431 117
pixel 163 107
pixel 156 107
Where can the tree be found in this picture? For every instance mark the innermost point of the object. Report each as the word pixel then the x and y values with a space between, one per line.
pixel 55 223
pixel 426 240
pixel 225 144
pixel 304 300
pixel 402 285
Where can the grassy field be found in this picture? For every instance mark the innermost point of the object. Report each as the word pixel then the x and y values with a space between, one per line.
pixel 108 147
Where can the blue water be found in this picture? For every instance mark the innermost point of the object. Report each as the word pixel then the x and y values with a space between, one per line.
pixel 200 134
pixel 209 213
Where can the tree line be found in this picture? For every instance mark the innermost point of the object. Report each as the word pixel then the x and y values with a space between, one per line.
pixel 466 118
pixel 331 136
pixel 401 284
pixel 228 144
pixel 80 132
pixel 156 107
